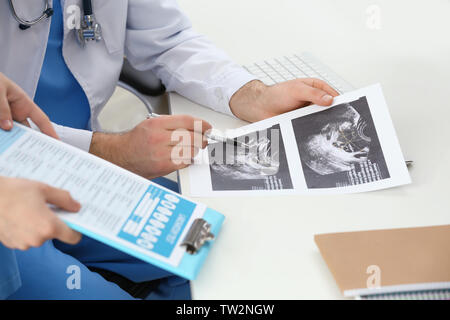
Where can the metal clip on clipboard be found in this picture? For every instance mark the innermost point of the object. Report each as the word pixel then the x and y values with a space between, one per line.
pixel 198 234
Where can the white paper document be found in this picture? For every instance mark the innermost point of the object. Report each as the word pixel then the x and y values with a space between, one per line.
pixel 119 208
pixel 349 147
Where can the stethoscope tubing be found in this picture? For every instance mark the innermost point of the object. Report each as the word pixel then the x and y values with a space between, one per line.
pixel 31 22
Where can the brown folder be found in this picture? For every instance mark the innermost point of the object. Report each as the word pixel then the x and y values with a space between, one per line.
pixel 379 261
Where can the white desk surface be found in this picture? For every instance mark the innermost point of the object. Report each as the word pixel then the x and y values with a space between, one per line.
pixel 266 249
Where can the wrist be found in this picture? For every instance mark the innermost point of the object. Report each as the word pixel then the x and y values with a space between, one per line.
pixel 247 100
pixel 108 146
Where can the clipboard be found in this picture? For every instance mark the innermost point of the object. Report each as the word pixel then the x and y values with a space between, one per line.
pixel 192 261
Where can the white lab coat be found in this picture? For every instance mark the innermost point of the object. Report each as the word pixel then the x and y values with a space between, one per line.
pixel 153 34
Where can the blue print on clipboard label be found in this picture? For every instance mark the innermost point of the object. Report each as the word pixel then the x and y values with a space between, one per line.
pixel 157 221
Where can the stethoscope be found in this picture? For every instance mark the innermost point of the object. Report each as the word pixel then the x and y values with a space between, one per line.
pixel 89 29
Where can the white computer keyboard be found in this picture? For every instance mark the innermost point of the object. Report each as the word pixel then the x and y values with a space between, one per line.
pixel 294 66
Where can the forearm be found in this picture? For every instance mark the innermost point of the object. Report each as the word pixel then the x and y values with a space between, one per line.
pixel 246 102
pixel 109 146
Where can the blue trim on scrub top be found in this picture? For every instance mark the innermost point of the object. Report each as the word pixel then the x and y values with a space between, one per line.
pixel 58 93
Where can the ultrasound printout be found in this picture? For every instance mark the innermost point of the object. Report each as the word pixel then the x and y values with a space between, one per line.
pixel 349 147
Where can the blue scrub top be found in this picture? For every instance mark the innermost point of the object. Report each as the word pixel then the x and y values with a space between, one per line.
pixel 58 93
pixel 9 273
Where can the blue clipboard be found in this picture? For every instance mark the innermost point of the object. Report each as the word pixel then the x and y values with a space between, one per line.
pixel 190 264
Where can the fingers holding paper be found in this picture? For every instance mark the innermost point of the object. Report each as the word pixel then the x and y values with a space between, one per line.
pixel 26 220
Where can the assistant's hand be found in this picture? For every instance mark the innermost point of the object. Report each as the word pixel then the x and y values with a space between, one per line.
pixel 154 148
pixel 15 104
pixel 256 101
pixel 25 218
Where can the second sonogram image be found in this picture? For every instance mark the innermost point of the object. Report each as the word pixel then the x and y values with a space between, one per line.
pixel 339 146
pixel 262 165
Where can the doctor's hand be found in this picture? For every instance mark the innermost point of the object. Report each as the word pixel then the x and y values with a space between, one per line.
pixel 256 101
pixel 25 218
pixel 156 147
pixel 15 104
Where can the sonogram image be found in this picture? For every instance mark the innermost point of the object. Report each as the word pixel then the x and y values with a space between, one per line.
pixel 339 146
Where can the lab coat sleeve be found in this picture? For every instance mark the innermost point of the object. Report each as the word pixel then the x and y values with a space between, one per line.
pixel 75 137
pixel 160 38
